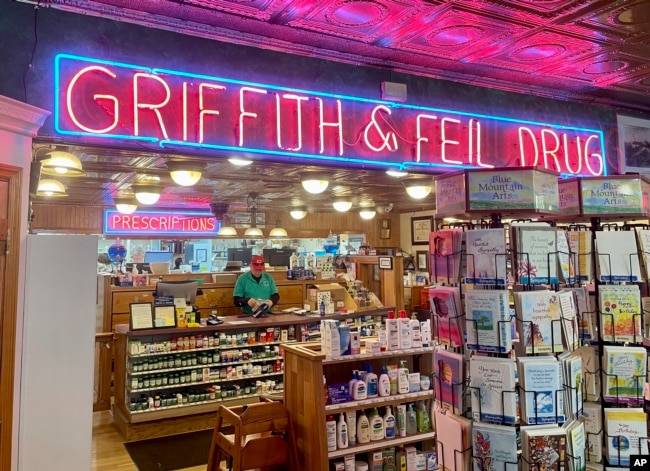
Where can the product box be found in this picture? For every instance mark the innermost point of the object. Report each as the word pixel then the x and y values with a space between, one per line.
pixel 338 466
pixel 414 382
pixel 388 458
pixel 421 461
pixel 338 295
pixel 411 454
pixel 375 461
pixel 330 339
pixel 338 393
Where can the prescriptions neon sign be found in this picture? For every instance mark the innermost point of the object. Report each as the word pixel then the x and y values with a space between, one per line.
pixel 160 223
pixel 173 110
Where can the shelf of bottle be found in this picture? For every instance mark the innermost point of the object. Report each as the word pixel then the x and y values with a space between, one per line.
pixel 202 383
pixel 386 354
pixel 208 349
pixel 379 401
pixel 203 365
pixel 380 444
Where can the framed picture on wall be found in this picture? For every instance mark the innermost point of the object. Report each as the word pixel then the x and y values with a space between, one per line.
pixel 420 229
pixel 141 316
pixel 634 143
pixel 422 260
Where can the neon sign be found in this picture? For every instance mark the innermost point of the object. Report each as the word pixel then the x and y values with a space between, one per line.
pixel 160 223
pixel 172 109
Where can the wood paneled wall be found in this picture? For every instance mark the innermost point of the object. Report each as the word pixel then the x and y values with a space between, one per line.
pixel 57 217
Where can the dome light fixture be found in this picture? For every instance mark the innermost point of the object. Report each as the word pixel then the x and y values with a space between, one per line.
pixel 62 164
pixel 254 231
pixel 278 231
pixel 185 173
pixel 125 205
pixel 227 231
pixel 240 161
pixel 419 189
pixel 299 212
pixel 367 213
pixel 51 188
pixel 147 193
pixel 314 183
pixel 396 173
pixel 342 205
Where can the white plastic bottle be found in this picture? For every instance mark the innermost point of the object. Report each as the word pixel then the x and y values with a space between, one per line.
pixel 404 330
pixel 416 334
pixel 383 339
pixel 376 426
pixel 392 333
pixel 359 390
pixel 383 384
pixel 371 383
pixel 330 426
pixel 425 331
pixel 341 433
pixel 352 382
pixel 310 261
pixel 351 417
pixel 402 379
pixel 363 428
pixel 389 423
pixel 293 261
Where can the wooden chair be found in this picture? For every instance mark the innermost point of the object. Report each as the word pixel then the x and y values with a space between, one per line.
pixel 256 436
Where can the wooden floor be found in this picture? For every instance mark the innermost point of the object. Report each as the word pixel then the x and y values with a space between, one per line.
pixel 109 453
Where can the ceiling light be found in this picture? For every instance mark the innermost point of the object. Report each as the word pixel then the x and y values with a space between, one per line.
pixel 298 212
pixel 240 162
pixel 342 205
pixel 278 231
pixel 48 187
pixel 125 205
pixel 62 163
pixel 367 213
pixel 314 183
pixel 419 189
pixel 147 193
pixel 227 231
pixel 396 173
pixel 184 173
pixel 254 232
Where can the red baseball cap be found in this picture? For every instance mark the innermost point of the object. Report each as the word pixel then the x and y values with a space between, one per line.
pixel 257 261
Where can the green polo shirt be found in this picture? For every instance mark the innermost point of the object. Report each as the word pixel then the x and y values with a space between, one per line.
pixel 247 287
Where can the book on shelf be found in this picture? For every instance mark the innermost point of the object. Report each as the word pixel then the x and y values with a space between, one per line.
pixel 618 257
pixel 580 246
pixel 624 374
pixel 449 380
pixel 569 313
pixel 542 395
pixel 539 322
pixel 566 266
pixel 593 431
pixel 572 379
pixel 493 390
pixel 535 253
pixel 486 257
pixel 626 432
pixel 543 448
pixel 448 323
pixel 620 313
pixel 576 441
pixel 454 445
pixel 487 315
pixel 494 447
pixel 445 247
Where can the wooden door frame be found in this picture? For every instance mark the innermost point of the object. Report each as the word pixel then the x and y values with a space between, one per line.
pixel 13 176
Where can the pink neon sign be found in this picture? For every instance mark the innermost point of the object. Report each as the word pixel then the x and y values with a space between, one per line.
pixel 161 223
pixel 108 100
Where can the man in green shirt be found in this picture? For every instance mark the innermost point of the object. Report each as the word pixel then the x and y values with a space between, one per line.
pixel 255 287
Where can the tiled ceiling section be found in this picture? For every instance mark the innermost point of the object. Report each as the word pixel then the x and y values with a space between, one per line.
pixel 584 50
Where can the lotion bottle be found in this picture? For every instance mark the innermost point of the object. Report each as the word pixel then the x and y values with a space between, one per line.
pixel 383 384
pixel 402 379
pixel 376 426
pixel 416 334
pixel 351 417
pixel 425 331
pixel 341 433
pixel 363 428
pixel 389 423
pixel 404 330
pixel 371 383
pixel 330 426
pixel 392 333
pixel 401 419
pixel 359 391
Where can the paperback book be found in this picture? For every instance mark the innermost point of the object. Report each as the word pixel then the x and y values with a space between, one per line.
pixel 542 396
pixel 536 254
pixel 449 380
pixel 493 390
pixel 620 312
pixel 626 432
pixel 447 320
pixel 494 447
pixel 624 374
pixel 543 448
pixel 539 321
pixel 487 316
pixel 618 258
pixel 486 257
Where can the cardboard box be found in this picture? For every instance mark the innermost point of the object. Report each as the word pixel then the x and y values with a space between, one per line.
pixel 375 461
pixel 338 294
pixel 411 456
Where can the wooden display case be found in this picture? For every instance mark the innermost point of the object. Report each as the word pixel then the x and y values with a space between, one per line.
pixel 305 366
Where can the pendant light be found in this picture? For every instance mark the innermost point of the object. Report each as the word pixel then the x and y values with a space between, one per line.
pixel 314 183
pixel 298 212
pixel 240 161
pixel 62 163
pixel 227 231
pixel 342 205
pixel 51 188
pixel 418 189
pixel 185 173
pixel 367 213
pixel 125 205
pixel 278 231
pixel 396 173
pixel 147 193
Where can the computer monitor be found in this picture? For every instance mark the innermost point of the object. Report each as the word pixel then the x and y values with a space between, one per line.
pixel 178 289
pixel 240 254
pixel 278 257
pixel 158 257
